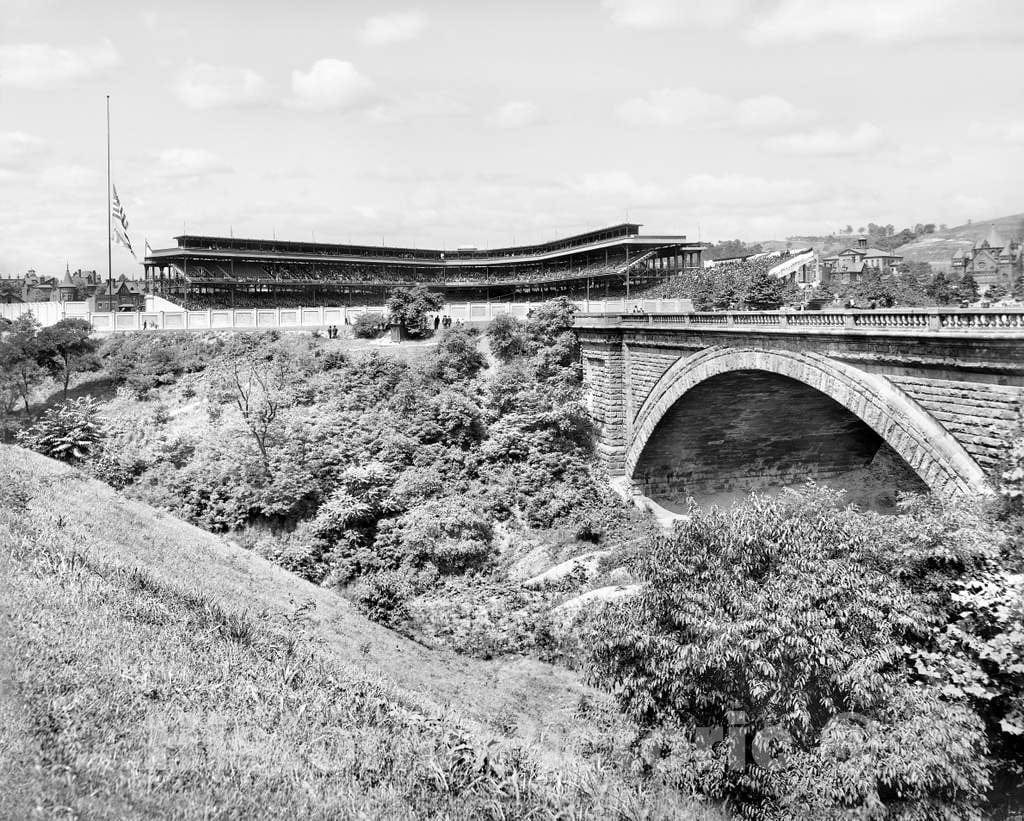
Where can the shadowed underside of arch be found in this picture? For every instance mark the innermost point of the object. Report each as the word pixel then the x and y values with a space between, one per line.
pixel 924 444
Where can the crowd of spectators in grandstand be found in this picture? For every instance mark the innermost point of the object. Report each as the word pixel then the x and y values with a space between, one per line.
pixel 722 286
pixel 406 275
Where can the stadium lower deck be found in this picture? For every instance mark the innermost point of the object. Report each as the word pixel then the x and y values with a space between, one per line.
pixel 213 272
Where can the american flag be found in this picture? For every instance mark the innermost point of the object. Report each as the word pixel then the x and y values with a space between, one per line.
pixel 120 228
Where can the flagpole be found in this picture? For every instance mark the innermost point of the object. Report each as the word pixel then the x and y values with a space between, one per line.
pixel 110 266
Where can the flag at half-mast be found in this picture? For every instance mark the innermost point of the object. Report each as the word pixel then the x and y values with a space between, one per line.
pixel 120 226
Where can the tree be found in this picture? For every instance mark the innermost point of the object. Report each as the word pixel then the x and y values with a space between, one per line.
pixel 967 288
pixel 65 348
pixel 995 291
pixel 23 354
pixel 256 382
pixel 764 293
pixel 410 307
pixel 507 338
pixel 940 289
pixel 9 386
pixel 874 289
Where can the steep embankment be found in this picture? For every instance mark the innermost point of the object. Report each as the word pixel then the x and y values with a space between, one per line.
pixel 153 668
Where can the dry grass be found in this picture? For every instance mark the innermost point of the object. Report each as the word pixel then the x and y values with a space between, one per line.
pixel 151 670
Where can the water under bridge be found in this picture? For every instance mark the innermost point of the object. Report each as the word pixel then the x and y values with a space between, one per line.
pixel 705 403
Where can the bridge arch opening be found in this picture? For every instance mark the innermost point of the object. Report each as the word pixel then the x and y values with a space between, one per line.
pixel 750 429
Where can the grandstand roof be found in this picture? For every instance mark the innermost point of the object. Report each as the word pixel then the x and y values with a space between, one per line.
pixel 192 245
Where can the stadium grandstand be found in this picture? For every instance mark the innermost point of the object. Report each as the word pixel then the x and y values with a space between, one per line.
pixel 220 272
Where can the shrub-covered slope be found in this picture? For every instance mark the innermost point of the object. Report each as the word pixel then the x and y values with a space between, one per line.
pixel 152 669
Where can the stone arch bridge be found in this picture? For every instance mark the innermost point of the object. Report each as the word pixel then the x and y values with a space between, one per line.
pixel 708 402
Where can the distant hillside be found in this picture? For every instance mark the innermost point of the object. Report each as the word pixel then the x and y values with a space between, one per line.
pixel 938 248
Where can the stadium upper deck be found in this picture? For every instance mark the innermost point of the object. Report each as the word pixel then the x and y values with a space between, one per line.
pixel 219 270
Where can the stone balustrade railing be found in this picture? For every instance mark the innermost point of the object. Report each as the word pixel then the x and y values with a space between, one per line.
pixel 908 319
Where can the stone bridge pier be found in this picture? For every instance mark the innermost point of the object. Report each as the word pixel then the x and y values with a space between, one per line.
pixel 719 402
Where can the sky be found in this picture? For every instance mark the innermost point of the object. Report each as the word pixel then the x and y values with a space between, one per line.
pixel 462 122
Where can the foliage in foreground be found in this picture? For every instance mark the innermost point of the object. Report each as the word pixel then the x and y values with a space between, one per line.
pixel 798 659
pixel 69 432
pixel 131 697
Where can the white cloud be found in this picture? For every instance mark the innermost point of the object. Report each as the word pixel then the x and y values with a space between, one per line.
pixel 736 190
pixel 419 106
pixel 885 21
pixel 769 111
pixel 659 14
pixel 971 207
pixel 792 21
pixel 18 149
pixel 829 142
pixel 205 86
pixel 188 163
pixel 1006 132
pixel 515 114
pixel 330 84
pixel 72 178
pixel 40 65
pixel 693 108
pixel 396 27
pixel 619 186
pixel 676 106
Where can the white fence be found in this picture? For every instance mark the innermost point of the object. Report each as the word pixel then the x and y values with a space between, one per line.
pixel 297 319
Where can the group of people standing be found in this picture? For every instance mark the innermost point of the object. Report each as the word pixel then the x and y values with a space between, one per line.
pixel 332 331
pixel 445 322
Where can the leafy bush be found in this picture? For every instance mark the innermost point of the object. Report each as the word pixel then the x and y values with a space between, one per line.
pixel 507 338
pixel 368 325
pixel 456 356
pixel 785 610
pixel 446 534
pixel 70 432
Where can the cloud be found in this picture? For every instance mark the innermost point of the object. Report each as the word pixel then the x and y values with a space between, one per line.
pixel 1005 132
pixel 830 143
pixel 659 14
pixel 675 106
pixel 736 190
pixel 793 21
pixel 885 22
pixel 72 178
pixel 515 114
pixel 42 66
pixel 693 108
pixel 619 186
pixel 396 27
pixel 188 163
pixel 205 86
pixel 419 106
pixel 18 149
pixel 330 85
pixel 769 111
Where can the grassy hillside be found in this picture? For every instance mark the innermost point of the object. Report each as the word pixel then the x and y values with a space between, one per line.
pixel 150 668
pixel 938 248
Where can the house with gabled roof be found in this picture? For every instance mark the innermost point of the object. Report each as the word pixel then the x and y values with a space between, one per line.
pixel 992 261
pixel 850 264
pixel 128 295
